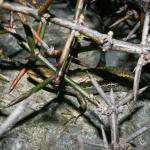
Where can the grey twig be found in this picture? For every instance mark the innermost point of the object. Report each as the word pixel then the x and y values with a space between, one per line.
pixel 141 61
pixel 133 31
pixel 114 123
pixel 129 97
pixel 104 138
pixel 100 90
pixel 145 28
pixel 20 8
pixel 129 112
pixel 136 134
pixel 13 117
pixel 99 38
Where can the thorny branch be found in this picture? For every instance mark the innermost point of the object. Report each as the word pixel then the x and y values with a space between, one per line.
pixel 94 35
pixel 113 111
pixel 63 62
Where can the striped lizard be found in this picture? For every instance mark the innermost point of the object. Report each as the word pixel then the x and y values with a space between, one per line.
pixel 107 77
